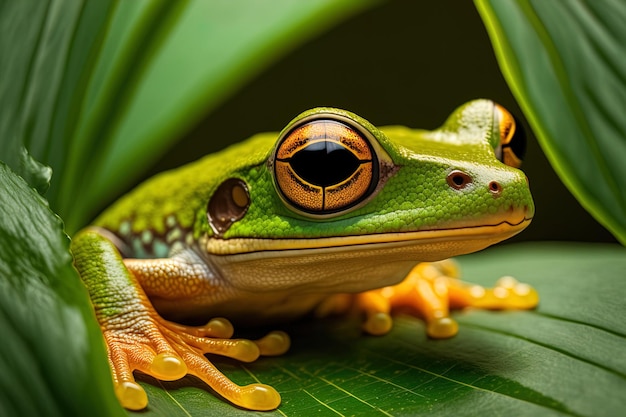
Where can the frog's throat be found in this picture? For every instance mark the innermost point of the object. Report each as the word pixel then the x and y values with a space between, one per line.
pixel 435 244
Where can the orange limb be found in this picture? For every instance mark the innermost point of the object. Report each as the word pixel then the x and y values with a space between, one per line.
pixel 431 290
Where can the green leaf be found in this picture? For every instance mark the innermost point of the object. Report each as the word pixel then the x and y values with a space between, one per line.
pixel 52 355
pixel 564 359
pixel 564 62
pixel 27 22
pixel 161 67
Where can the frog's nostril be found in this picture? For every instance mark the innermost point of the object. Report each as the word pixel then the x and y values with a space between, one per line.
pixel 495 188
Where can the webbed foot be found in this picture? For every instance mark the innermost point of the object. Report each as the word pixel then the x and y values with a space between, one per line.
pixel 431 290
pixel 168 351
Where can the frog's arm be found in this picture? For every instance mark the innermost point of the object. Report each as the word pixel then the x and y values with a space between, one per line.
pixel 137 338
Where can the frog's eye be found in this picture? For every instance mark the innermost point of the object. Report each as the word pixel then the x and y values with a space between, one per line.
pixel 512 145
pixel 324 166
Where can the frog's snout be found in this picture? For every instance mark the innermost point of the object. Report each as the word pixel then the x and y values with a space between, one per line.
pixel 458 180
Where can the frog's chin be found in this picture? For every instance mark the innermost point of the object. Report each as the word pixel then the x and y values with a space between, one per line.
pixel 347 263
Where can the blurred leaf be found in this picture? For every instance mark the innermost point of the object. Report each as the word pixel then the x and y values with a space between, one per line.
pixel 162 66
pixel 42 47
pixel 52 354
pixel 564 62
pixel 565 358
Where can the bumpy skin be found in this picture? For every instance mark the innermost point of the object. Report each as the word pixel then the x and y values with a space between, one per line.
pixel 158 248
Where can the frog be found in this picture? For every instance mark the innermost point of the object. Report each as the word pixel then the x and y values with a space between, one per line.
pixel 331 215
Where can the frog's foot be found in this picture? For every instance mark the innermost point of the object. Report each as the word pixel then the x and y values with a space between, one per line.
pixel 168 351
pixel 431 290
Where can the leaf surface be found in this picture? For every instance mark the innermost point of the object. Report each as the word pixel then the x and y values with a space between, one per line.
pixel 52 354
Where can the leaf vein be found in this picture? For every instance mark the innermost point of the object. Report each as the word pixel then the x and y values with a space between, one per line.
pixel 550 347
pixel 322 403
pixel 174 400
pixel 581 323
pixel 332 384
pixel 386 381
pixel 471 386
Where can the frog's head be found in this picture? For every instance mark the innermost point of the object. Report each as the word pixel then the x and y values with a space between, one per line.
pixel 335 184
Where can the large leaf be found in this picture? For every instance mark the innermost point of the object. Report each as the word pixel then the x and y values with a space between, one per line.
pixel 52 356
pixel 161 66
pixel 564 62
pixel 44 48
pixel 565 358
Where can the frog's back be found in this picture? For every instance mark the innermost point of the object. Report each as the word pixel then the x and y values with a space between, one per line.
pixel 175 199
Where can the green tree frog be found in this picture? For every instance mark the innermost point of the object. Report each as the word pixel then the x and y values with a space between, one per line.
pixel 330 214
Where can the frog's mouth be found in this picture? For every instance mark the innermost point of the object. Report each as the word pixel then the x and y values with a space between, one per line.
pixel 436 244
pixel 345 263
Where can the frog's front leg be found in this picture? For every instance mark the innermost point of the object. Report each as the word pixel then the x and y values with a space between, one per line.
pixel 431 290
pixel 137 338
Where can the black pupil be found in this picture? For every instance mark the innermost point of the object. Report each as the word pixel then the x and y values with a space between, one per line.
pixel 324 163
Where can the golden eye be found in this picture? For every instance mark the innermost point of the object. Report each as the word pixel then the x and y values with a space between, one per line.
pixel 325 166
pixel 512 145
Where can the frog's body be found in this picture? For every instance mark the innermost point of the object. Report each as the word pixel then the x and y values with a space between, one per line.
pixel 268 229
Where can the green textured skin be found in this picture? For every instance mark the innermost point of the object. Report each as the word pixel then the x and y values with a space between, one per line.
pixel 416 197
pixel 110 285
